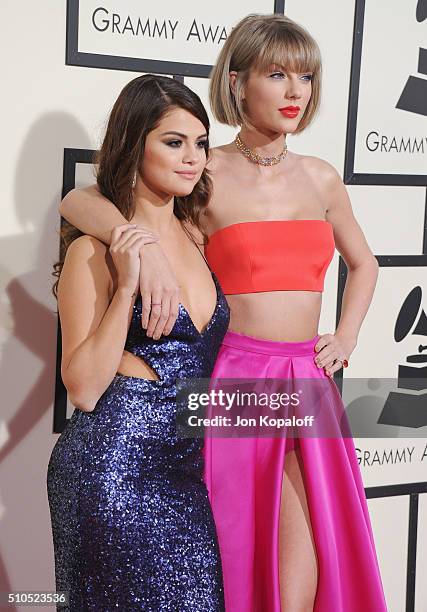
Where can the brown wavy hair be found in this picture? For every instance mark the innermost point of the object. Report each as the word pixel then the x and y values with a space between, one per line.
pixel 138 110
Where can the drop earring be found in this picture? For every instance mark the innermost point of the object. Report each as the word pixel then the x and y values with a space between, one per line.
pixel 134 181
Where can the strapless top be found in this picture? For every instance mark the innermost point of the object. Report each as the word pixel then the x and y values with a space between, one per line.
pixel 291 254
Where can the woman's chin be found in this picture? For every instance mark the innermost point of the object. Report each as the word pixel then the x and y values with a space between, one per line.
pixel 183 192
pixel 289 126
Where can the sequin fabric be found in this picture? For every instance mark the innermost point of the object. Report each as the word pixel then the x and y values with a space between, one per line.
pixel 131 520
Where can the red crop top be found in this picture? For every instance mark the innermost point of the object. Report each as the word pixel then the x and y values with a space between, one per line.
pixel 253 256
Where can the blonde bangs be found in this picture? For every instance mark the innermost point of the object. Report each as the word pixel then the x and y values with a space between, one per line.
pixel 290 50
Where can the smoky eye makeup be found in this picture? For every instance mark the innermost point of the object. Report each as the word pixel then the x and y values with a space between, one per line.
pixel 176 143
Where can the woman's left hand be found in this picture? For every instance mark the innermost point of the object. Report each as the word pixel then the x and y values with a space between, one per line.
pixel 332 347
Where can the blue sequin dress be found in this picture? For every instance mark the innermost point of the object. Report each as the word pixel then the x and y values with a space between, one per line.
pixel 131 520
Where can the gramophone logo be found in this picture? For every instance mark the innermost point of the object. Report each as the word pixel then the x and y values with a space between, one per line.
pixel 387 131
pixel 414 95
pixel 407 407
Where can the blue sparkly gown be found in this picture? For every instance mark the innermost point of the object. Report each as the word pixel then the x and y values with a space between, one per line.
pixel 131 520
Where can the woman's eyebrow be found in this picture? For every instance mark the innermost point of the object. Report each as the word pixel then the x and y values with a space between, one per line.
pixel 284 69
pixel 181 135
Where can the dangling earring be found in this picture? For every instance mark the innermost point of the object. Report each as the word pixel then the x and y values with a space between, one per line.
pixel 134 181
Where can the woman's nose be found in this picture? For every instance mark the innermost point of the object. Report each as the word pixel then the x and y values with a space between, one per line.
pixel 191 155
pixel 293 89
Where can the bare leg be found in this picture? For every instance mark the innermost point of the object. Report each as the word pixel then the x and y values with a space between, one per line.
pixel 298 569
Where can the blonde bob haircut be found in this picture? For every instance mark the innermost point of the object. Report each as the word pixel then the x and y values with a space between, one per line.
pixel 260 42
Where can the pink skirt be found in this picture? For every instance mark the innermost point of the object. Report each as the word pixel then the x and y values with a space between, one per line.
pixel 244 479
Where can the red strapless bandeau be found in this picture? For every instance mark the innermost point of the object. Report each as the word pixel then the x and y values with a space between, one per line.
pixel 253 256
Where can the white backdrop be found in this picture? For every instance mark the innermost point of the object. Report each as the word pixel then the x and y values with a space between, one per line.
pixel 50 106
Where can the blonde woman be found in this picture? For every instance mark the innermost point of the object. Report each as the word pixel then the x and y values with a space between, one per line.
pixel 291 515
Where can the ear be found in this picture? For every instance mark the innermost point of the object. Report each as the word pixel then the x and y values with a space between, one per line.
pixel 233 79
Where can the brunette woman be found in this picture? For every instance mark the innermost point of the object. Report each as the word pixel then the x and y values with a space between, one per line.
pixel 131 520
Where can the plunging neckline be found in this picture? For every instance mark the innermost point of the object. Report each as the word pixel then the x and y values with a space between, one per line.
pixel 209 323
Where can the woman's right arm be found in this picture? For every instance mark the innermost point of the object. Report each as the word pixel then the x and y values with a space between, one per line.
pixel 93 328
pixel 89 211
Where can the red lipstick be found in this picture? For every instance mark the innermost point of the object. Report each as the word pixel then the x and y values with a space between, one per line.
pixel 290 111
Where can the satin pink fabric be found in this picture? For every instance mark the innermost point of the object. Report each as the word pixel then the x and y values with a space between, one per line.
pixel 244 479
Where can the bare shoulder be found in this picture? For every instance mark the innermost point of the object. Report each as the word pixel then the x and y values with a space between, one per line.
pixel 87 247
pixel 87 256
pixel 220 156
pixel 88 270
pixel 318 169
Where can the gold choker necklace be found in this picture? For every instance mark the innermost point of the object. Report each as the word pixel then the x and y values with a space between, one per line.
pixel 257 159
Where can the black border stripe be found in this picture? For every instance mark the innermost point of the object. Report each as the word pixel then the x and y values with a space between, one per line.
pixel 409 180
pixel 396 489
pixel 412 552
pixel 60 397
pixel 425 228
pixel 353 96
pixel 401 261
pixel 134 64
pixel 72 32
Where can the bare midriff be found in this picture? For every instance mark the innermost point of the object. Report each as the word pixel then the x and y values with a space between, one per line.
pixel 133 365
pixel 284 316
